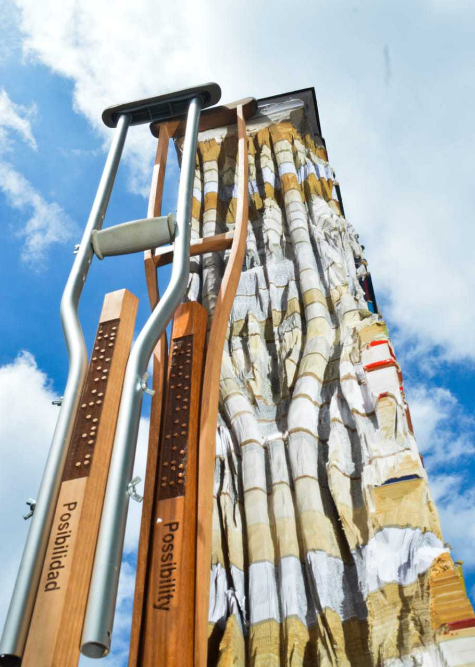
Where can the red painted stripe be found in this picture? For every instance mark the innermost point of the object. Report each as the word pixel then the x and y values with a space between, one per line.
pixel 378 365
pixel 460 625
pixel 377 342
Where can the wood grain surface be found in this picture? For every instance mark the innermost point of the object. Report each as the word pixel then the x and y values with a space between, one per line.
pixel 56 626
pixel 216 243
pixel 210 399
pixel 219 116
pixel 160 356
pixel 168 617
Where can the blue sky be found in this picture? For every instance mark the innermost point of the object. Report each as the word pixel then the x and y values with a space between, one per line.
pixel 396 94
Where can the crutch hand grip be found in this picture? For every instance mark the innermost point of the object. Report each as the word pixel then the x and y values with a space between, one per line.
pixel 133 236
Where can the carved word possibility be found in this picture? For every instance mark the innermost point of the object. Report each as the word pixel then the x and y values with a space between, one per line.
pixel 167 581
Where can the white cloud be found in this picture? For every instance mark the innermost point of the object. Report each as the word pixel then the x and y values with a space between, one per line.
pixel 48 224
pixel 401 146
pixel 15 117
pixel 446 437
pixel 445 432
pixel 26 426
pixel 456 504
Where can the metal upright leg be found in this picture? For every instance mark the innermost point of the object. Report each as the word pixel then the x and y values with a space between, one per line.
pixel 103 588
pixel 21 606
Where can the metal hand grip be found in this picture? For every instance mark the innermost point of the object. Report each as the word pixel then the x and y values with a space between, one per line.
pixel 133 236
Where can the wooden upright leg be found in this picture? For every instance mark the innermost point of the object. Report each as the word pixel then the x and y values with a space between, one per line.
pixel 210 400
pixel 168 620
pixel 58 616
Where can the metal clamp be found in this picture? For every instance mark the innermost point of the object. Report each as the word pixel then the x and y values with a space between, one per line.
pixel 145 388
pixel 132 489
pixel 58 403
pixel 31 504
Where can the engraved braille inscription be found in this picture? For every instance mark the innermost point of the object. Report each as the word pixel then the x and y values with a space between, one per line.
pixel 175 442
pixel 81 449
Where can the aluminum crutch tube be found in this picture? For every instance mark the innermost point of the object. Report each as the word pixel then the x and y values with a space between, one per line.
pixel 99 619
pixel 17 624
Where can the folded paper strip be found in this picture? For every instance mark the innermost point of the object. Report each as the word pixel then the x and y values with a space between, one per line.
pixel 327 548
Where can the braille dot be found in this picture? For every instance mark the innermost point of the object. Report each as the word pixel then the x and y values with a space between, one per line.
pixel 164 479
pixel 185 400
pixel 178 395
pixel 177 421
pixel 98 402
pixel 99 368
pixel 174 448
pixel 94 358
pixel 173 463
pixel 180 367
pixel 86 463
pixel 164 483
pixel 106 335
pixel 103 350
pixel 104 377
pixel 84 435
pixel 95 419
pixel 180 481
pixel 182 451
pixel 168 436
pixel 93 428
pixel 101 357
pixel 99 337
pixel 90 442
pixel 91 403
pixel 108 358
pixel 186 378
pixel 165 464
pixel 172 483
pixel 97 347
pixel 78 464
pixel 114 328
pixel 94 391
pixel 179 384
pixel 184 424
pixel 177 409
pixel 83 405
pixel 100 393
pixel 106 370
pixel 175 435
pixel 96 379
pixel 88 456
pixel 180 474
pixel 183 433
pixel 110 344
pixel 180 374
pixel 88 416
pixel 173 468
pixel 188 361
pixel 181 466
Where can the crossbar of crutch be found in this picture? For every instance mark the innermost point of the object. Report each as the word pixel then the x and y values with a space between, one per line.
pixel 163 107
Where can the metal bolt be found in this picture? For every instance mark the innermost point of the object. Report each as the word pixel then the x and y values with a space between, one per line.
pixel 31 504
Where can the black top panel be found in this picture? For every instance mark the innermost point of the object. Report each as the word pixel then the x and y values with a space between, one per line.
pixel 163 107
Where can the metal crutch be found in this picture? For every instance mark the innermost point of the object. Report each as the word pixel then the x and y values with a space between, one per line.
pixel 99 619
pixel 118 240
